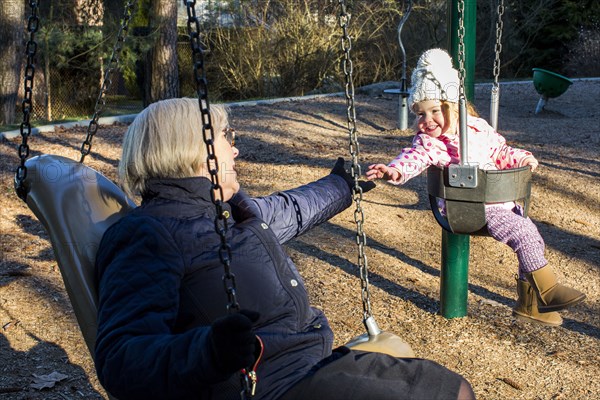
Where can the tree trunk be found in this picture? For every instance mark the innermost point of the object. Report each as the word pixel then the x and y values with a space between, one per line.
pixel 112 12
pixel 12 22
pixel 162 77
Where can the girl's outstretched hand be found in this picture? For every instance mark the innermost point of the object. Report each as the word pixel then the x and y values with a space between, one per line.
pixel 531 161
pixel 382 171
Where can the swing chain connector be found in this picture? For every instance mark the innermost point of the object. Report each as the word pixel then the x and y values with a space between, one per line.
pixel 27 104
pixel 372 327
pixel 86 146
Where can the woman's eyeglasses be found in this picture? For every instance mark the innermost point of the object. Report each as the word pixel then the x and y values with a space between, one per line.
pixel 230 136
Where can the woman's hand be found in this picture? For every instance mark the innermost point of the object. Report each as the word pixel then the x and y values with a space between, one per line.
pixel 232 340
pixel 338 169
pixel 382 171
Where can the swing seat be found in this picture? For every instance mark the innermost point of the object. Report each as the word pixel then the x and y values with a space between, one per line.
pixel 550 84
pixel 377 341
pixel 384 342
pixel 76 205
pixel 465 207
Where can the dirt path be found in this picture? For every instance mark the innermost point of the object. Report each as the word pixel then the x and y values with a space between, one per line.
pixel 290 143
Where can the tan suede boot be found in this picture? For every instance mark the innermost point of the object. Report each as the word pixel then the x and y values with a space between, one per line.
pixel 551 295
pixel 527 309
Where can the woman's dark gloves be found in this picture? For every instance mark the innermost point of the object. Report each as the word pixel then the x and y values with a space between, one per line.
pixel 338 169
pixel 233 341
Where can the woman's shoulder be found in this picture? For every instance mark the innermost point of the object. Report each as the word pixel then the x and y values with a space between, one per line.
pixel 137 234
pixel 129 226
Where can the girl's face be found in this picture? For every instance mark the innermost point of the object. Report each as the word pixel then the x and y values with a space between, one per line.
pixel 431 119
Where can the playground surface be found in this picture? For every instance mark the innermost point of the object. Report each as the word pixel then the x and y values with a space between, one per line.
pixel 289 143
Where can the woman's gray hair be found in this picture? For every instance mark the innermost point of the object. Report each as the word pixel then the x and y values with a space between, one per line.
pixel 165 141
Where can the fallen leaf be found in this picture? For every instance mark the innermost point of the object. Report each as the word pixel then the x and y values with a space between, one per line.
pixel 582 222
pixel 9 325
pixel 47 381
pixel 512 383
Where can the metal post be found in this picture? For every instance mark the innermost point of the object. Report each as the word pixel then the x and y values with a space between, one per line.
pixel 403 111
pixel 454 278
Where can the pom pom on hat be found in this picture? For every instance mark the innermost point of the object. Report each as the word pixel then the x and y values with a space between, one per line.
pixel 434 78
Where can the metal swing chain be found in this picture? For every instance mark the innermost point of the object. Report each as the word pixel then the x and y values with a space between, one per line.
pixel 495 95
pixel 27 103
pixel 461 47
pixel 209 140
pixel 498 48
pixel 359 217
pixel 86 146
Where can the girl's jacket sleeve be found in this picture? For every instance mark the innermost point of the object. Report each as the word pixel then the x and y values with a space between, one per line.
pixel 290 213
pixel 139 269
pixel 493 147
pixel 412 161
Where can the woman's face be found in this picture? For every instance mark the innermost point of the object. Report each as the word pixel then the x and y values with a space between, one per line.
pixel 431 120
pixel 225 152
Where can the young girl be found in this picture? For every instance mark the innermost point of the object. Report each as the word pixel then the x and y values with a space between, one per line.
pixel 434 99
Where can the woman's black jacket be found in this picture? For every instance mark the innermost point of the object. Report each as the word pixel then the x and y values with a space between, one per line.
pixel 160 286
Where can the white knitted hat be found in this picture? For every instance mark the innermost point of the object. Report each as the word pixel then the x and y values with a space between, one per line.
pixel 434 78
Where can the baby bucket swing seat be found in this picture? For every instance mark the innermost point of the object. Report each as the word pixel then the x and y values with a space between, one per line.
pixel 465 206
pixel 464 187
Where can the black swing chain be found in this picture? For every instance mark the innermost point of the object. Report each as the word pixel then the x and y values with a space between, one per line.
pixel 213 167
pixel 359 218
pixel 27 103
pixel 113 63
pixel 209 140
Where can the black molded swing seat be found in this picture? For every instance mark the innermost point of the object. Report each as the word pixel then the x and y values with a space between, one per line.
pixel 465 207
pixel 76 204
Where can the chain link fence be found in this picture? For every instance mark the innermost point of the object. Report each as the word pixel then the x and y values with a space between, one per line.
pixel 66 96
pixel 61 96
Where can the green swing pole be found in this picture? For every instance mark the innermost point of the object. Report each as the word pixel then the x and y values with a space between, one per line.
pixel 454 277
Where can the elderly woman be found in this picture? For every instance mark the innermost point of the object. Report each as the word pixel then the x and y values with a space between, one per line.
pixel 163 327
